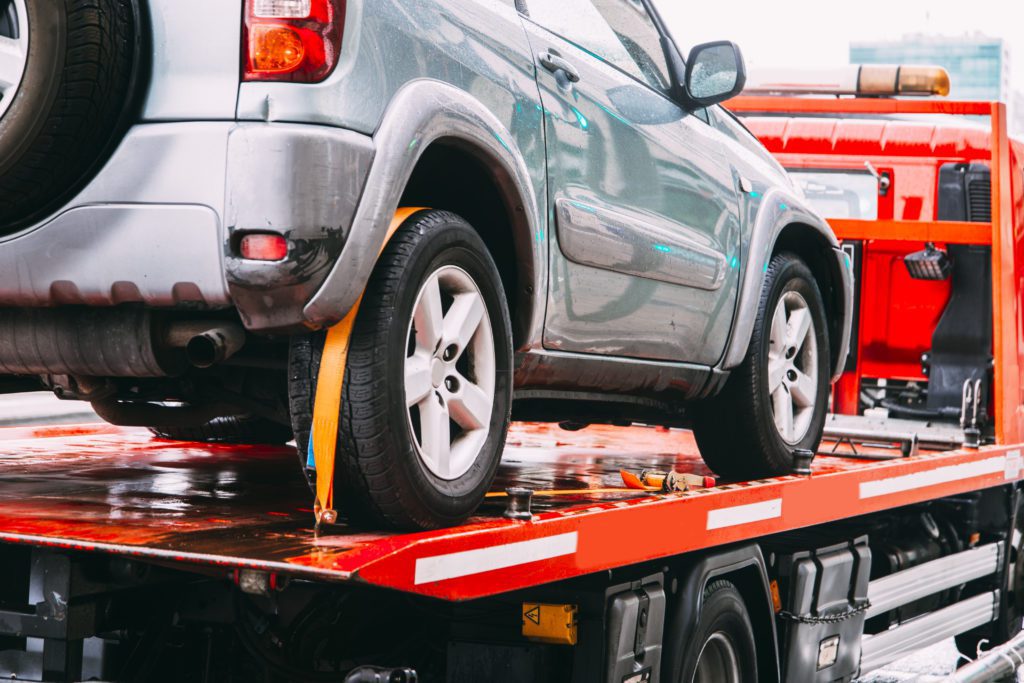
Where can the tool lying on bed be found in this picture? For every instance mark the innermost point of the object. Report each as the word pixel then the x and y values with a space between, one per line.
pixel 651 480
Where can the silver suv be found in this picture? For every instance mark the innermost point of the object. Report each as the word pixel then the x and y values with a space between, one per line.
pixel 530 208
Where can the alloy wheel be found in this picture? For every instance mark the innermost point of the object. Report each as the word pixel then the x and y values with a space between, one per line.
pixel 449 372
pixel 13 50
pixel 793 367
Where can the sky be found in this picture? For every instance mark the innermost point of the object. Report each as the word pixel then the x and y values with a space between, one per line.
pixel 819 32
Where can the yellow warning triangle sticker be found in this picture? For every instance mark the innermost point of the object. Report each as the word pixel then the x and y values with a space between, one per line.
pixel 533 615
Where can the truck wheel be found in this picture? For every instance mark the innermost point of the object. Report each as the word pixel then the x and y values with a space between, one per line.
pixel 775 401
pixel 67 71
pixel 1011 597
pixel 721 648
pixel 240 429
pixel 427 392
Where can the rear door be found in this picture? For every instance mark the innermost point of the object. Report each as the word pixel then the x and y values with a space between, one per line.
pixel 643 202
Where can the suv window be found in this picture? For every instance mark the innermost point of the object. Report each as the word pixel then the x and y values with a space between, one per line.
pixel 620 32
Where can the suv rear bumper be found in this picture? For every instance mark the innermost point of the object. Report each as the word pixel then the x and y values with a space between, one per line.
pixel 159 224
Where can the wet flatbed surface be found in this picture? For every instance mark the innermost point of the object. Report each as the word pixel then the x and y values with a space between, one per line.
pixel 118 490
pixel 113 485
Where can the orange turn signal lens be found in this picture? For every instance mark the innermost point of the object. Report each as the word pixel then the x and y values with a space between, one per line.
pixel 263 246
pixel 275 49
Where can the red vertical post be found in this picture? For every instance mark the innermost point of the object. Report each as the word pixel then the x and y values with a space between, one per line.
pixel 1009 411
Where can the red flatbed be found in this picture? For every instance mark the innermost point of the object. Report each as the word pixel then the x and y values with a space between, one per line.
pixel 111 490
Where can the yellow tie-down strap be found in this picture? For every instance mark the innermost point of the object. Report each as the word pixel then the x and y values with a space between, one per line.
pixel 327 403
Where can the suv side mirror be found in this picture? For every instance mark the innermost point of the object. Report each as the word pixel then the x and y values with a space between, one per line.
pixel 714 73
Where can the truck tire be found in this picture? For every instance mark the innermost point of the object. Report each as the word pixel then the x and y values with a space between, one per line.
pixel 65 92
pixel 721 648
pixel 236 429
pixel 418 461
pixel 1011 594
pixel 775 402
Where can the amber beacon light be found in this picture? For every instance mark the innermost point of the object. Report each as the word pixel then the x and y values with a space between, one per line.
pixel 292 40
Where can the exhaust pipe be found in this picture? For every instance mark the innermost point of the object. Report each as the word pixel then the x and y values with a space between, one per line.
pixel 110 342
pixel 215 345
pixel 206 344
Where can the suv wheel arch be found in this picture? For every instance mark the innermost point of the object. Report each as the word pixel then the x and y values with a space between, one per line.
pixel 783 223
pixel 421 114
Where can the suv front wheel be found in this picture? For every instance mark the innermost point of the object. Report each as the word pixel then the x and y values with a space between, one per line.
pixel 775 402
pixel 427 388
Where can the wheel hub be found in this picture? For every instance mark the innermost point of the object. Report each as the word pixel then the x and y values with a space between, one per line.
pixel 437 372
pixel 718 661
pixel 14 37
pixel 792 367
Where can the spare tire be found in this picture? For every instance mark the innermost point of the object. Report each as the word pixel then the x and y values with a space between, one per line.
pixel 67 72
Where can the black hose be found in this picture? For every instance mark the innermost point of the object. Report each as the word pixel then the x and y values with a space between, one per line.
pixel 898 410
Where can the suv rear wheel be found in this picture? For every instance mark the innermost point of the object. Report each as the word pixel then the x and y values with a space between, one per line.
pixel 427 391
pixel 775 402
pixel 67 71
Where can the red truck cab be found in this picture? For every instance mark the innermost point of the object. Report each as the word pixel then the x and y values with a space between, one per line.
pixel 912 168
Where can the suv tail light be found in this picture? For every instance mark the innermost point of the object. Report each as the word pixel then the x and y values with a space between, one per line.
pixel 292 40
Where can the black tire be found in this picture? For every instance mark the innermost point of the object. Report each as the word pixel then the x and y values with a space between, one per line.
pixel 237 429
pixel 73 100
pixel 736 430
pixel 723 624
pixel 1011 596
pixel 380 479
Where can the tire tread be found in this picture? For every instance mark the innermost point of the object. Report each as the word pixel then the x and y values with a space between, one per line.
pixel 727 426
pixel 94 86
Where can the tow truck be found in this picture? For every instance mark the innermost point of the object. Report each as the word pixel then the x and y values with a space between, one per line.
pixel 125 557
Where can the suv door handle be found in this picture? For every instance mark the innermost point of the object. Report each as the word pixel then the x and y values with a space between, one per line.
pixel 554 63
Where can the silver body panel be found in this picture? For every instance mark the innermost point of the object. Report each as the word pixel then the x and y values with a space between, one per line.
pixel 657 249
pixel 326 165
pixel 152 227
pixel 90 256
pixel 195 71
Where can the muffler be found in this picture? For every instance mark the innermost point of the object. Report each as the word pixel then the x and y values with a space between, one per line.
pixel 90 342
pixel 110 342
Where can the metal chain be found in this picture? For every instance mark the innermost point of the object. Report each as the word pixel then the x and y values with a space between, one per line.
pixel 828 618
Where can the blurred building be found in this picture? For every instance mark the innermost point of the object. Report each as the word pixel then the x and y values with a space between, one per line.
pixel 979 66
pixel 1017 113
